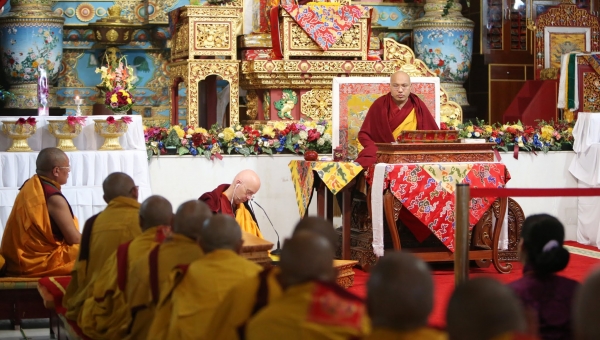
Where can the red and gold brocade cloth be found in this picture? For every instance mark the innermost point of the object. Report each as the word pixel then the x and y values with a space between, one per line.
pixel 426 190
pixel 325 24
pixel 335 175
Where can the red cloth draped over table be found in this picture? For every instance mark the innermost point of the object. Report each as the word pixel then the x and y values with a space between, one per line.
pixel 325 24
pixel 427 191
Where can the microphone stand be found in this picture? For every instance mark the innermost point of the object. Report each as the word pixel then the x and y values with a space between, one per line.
pixel 278 250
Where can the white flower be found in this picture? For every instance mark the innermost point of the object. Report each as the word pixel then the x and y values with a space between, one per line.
pixel 221 135
pixel 188 136
pixel 303 135
pixel 469 135
pixel 320 129
pixel 477 134
pixel 321 141
pixel 239 134
pixel 266 144
pixel 327 137
pixel 18 67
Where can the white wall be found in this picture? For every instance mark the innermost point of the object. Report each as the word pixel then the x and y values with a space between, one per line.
pixel 184 178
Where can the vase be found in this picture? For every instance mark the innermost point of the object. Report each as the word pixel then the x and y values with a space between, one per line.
pixel 311 155
pixel 445 44
pixel 19 134
pixel 30 36
pixel 111 133
pixel 64 133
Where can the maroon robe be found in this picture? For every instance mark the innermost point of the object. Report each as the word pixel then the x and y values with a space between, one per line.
pixel 220 204
pixel 551 297
pixel 381 121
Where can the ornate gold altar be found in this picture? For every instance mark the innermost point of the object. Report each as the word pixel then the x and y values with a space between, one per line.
pixel 296 43
pixel 206 31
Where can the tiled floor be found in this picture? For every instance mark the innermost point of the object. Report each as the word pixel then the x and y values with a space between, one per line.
pixel 36 329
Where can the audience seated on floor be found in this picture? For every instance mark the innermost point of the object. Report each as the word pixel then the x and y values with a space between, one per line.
pixel 233 200
pixel 102 235
pixel 484 309
pixel 41 236
pixel 105 313
pixel 193 292
pixel 150 272
pixel 312 305
pixel 253 294
pixel 400 299
pixel 587 308
pixel 542 292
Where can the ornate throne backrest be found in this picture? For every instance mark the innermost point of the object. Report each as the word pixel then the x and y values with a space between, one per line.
pixel 353 96
pixel 563 29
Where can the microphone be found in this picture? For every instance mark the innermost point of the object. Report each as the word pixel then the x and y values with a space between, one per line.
pixel 278 250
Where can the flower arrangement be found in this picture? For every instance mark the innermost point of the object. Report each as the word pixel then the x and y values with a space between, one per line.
pixel 73 121
pixel 245 140
pixel 546 136
pixel 22 121
pixel 117 84
pixel 124 119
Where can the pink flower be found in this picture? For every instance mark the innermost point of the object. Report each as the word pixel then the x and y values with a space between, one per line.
pixel 111 119
pixel 126 119
pixel 184 141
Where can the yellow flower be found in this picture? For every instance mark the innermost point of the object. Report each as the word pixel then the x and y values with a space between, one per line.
pixel 268 131
pixel 444 119
pixel 488 128
pixel 200 130
pixel 228 134
pixel 437 51
pixel 504 127
pixel 570 130
pixel 328 130
pixel 470 128
pixel 279 125
pixel 310 124
pixel 113 98
pixel 128 100
pixel 517 127
pixel 179 130
pixel 547 131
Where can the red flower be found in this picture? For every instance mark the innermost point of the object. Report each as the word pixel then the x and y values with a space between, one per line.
pixel 313 135
pixel 21 121
pixel 441 63
pixel 430 50
pixel 443 126
pixel 197 139
pixel 126 119
pixel 110 120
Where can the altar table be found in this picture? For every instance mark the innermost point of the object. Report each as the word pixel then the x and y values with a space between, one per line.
pixel 427 191
pixel 337 178
pixel 89 167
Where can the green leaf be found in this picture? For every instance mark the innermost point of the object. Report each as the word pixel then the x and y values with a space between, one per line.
pixel 183 151
pixel 207 154
pixel 267 151
pixel 229 149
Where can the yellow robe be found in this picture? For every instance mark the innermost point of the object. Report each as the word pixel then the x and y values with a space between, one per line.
pixel 409 124
pixel 28 245
pixel 237 307
pixel 177 250
pixel 423 333
pixel 117 224
pixel 246 222
pixel 191 298
pixel 105 314
pixel 310 311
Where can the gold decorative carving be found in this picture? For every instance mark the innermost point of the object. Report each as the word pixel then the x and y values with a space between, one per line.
pixel 212 36
pixel 591 91
pixel 316 104
pixel 98 35
pixel 267 105
pixel 112 35
pixel 252 104
pixel 193 71
pixel 549 73
pixel 564 15
pixel 126 35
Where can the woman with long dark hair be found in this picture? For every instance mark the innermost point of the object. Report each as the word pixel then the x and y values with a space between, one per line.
pixel 541 291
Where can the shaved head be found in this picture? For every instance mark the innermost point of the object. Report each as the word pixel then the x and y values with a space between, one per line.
pixel 221 232
pixel 155 211
pixel 189 218
pixel 245 184
pixel 49 158
pixel 119 184
pixel 305 257
pixel 400 87
pixel 320 226
pixel 468 319
pixel 400 292
pixel 587 308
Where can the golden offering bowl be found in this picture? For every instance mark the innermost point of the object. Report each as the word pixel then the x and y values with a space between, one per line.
pixel 19 134
pixel 111 133
pixel 64 133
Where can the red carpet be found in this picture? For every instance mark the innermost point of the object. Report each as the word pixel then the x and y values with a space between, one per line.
pixel 443 275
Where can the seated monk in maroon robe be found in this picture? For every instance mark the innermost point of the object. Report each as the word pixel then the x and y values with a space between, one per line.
pixel 232 199
pixel 391 114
